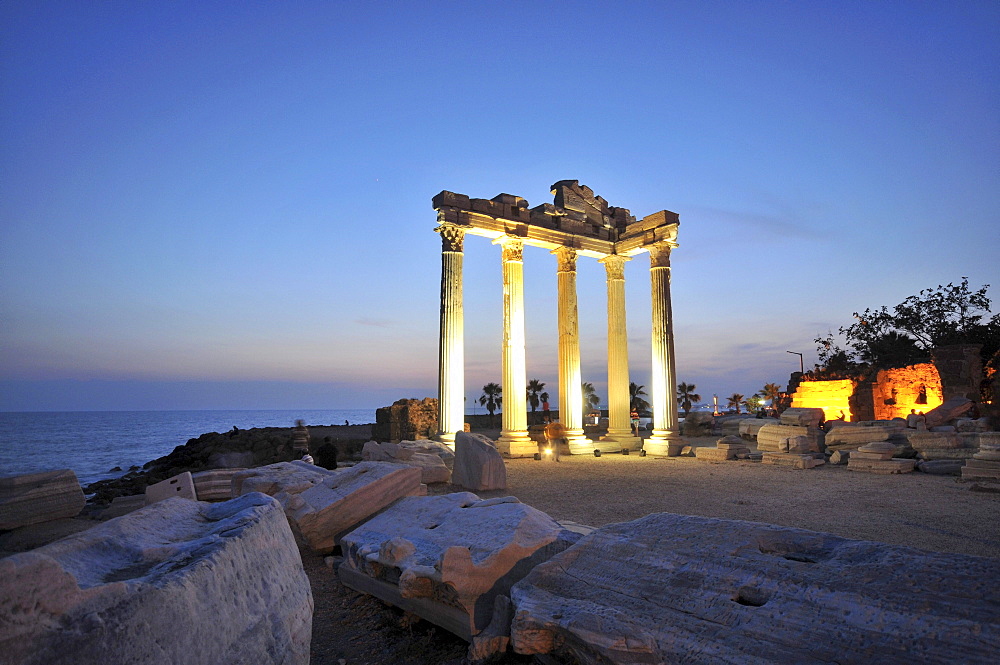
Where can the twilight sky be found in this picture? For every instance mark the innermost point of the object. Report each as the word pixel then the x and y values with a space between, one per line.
pixel 227 204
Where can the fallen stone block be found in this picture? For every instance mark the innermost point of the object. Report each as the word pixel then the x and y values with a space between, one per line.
pixel 976 469
pixel 39 497
pixel 880 466
pixel 941 440
pixel 704 591
pixel 750 426
pixel 432 466
pixel 947 453
pixel 840 457
pixel 123 505
pixel 802 417
pixel 324 504
pixel 944 467
pixel 951 409
pixel 439 555
pixel 214 485
pixel 177 582
pixel 478 464
pixel 852 437
pixel 707 454
pixel 769 437
pixel 796 461
pixel 179 486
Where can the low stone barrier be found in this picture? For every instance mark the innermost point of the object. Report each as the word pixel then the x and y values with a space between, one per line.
pixel 177 582
pixel 699 590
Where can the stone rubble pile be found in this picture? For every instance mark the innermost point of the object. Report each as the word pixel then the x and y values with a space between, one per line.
pixel 877 457
pixel 749 427
pixel 792 423
pixel 985 464
pixel 851 436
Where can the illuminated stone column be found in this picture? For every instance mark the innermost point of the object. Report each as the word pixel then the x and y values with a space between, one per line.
pixel 514 440
pixel 570 380
pixel 666 437
pixel 619 398
pixel 451 348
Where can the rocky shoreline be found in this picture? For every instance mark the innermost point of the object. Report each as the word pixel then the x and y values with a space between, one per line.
pixel 234 449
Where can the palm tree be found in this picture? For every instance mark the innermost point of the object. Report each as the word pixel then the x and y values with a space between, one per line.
pixel 735 400
pixel 637 403
pixel 491 398
pixel 753 403
pixel 590 398
pixel 771 391
pixel 534 387
pixel 687 396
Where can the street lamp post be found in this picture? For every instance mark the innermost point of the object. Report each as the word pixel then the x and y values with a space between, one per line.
pixel 802 369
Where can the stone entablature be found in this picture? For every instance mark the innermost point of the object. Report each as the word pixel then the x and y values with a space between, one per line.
pixel 577 223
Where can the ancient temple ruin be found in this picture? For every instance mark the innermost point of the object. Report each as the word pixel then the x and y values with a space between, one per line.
pixel 576 224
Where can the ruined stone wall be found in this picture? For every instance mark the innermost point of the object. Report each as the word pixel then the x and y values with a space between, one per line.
pixel 897 391
pixel 961 370
pixel 831 396
pixel 407 420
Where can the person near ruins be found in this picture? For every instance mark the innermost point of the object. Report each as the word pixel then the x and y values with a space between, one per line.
pixel 973 412
pixel 921 421
pixel 554 435
pixel 911 419
pixel 635 422
pixel 546 413
pixel 300 438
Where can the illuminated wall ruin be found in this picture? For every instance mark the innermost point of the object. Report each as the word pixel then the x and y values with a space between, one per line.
pixel 897 391
pixel 831 396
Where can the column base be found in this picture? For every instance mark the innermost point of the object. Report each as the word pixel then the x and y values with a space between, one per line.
pixel 664 443
pixel 578 443
pixel 516 443
pixel 447 438
pixel 625 438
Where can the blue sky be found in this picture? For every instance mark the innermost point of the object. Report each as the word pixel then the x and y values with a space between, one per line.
pixel 227 205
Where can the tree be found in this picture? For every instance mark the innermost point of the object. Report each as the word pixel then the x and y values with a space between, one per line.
pixel 636 401
pixel 735 400
pixel 590 398
pixel 951 314
pixel 686 395
pixel 491 398
pixel 753 403
pixel 771 391
pixel 534 387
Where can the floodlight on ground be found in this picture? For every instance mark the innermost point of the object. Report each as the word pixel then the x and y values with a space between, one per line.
pixel 624 451
pixel 597 452
pixel 537 456
pixel 642 453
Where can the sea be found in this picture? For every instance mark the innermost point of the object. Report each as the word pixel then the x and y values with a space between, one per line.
pixel 92 443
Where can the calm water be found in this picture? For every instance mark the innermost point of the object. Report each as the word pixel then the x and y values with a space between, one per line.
pixel 93 442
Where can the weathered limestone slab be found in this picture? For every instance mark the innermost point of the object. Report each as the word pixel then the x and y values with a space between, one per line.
pixel 432 466
pixel 791 459
pixel 706 454
pixel 840 457
pixel 951 409
pixel 701 591
pixel 802 417
pixel 940 440
pixel 39 497
pixel 123 505
pixel 875 450
pixel 478 464
pixel 324 504
pixel 769 437
pixel 215 484
pixel 177 582
pixel 798 444
pixel 970 425
pixel 750 426
pixel 454 551
pixel 180 486
pixel 851 437
pixel 976 469
pixel 880 466
pixel 946 453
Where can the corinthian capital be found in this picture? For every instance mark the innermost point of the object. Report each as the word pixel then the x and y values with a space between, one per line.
pixel 659 254
pixel 565 258
pixel 452 237
pixel 614 265
pixel 512 248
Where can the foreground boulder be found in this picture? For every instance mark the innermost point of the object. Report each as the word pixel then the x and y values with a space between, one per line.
pixel 447 558
pixel 39 497
pixel 322 504
pixel 177 582
pixel 700 590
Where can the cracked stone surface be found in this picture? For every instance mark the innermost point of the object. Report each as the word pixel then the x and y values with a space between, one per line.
pixel 674 588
